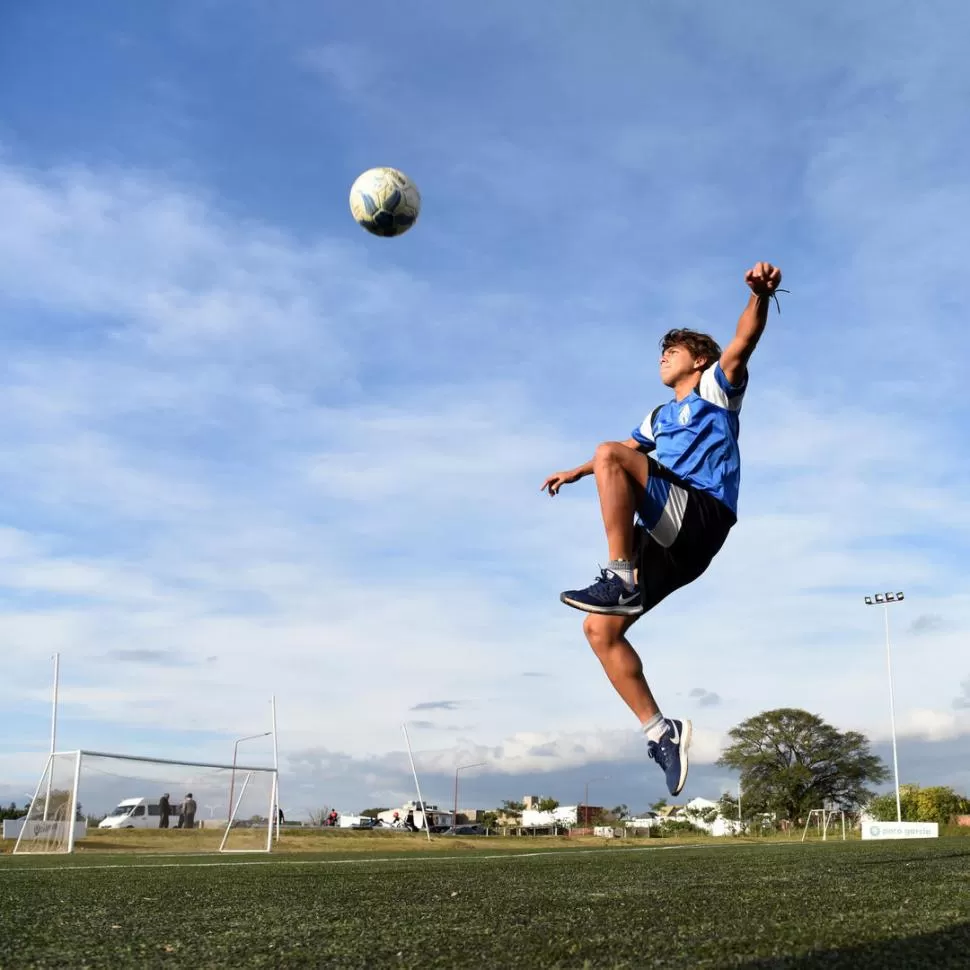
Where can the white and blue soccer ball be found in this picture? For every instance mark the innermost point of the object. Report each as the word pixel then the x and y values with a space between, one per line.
pixel 385 201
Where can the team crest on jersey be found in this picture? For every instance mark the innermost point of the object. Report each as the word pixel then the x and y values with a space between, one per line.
pixel 684 414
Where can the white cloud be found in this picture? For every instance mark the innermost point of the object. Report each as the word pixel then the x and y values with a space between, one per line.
pixel 273 551
pixel 934 725
pixel 349 67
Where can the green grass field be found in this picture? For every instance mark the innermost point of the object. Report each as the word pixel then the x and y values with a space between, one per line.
pixel 534 903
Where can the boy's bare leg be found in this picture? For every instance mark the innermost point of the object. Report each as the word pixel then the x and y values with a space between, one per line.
pixel 668 740
pixel 621 472
pixel 607 636
pixel 621 476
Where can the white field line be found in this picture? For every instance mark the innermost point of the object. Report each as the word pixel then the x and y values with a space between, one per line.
pixel 541 854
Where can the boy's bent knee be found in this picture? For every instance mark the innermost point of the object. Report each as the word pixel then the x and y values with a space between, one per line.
pixel 613 454
pixel 608 451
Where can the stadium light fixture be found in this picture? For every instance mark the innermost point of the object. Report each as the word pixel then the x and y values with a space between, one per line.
pixel 884 600
pixel 454 817
pixel 235 749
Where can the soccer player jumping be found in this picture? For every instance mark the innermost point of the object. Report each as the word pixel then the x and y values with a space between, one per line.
pixel 685 499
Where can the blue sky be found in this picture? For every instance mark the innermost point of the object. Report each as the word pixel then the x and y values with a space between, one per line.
pixel 251 450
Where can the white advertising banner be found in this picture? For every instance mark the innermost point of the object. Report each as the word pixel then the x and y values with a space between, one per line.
pixel 900 830
pixel 39 829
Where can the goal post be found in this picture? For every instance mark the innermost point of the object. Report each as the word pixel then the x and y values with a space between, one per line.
pixel 825 818
pixel 49 825
pixel 235 818
pixel 233 808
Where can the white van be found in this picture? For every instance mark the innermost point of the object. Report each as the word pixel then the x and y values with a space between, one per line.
pixel 136 813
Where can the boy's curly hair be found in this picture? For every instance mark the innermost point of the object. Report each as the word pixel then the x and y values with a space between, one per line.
pixel 697 344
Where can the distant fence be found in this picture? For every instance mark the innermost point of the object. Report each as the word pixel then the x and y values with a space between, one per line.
pixel 602 831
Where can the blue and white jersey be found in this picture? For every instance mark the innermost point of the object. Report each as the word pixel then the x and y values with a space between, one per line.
pixel 697 438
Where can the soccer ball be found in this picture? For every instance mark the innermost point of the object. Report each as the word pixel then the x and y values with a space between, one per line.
pixel 385 201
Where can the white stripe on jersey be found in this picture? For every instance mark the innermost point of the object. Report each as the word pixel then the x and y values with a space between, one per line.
pixel 710 390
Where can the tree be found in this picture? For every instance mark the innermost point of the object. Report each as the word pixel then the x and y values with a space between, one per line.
pixel 620 811
pixel 55 805
pixel 936 804
pixel 707 815
pixel 940 804
pixel 373 812
pixel 548 804
pixel 658 804
pixel 792 761
pixel 489 820
pixel 513 808
pixel 318 815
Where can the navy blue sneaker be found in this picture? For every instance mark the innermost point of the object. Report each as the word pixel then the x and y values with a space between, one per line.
pixel 670 752
pixel 608 594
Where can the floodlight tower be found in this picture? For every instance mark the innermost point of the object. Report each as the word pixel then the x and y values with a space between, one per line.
pixel 883 600
pixel 454 817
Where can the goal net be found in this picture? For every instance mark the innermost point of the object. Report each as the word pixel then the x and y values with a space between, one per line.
pixel 826 821
pixel 118 802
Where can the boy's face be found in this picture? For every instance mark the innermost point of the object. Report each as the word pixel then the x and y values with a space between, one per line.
pixel 676 363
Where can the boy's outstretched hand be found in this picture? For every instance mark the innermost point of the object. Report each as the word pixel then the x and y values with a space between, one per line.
pixel 555 482
pixel 763 278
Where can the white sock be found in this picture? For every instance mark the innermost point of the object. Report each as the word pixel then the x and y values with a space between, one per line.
pixel 624 569
pixel 656 727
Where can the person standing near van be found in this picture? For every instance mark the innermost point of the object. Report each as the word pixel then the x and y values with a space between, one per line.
pixel 164 810
pixel 188 810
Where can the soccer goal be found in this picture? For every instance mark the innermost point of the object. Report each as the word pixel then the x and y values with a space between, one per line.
pixel 825 819
pixel 120 801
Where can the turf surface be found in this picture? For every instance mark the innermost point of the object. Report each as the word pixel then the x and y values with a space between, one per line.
pixel 904 905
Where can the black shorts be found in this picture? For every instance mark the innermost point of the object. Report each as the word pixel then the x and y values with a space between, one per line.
pixel 688 529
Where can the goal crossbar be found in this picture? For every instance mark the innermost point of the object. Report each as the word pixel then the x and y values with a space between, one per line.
pixel 168 761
